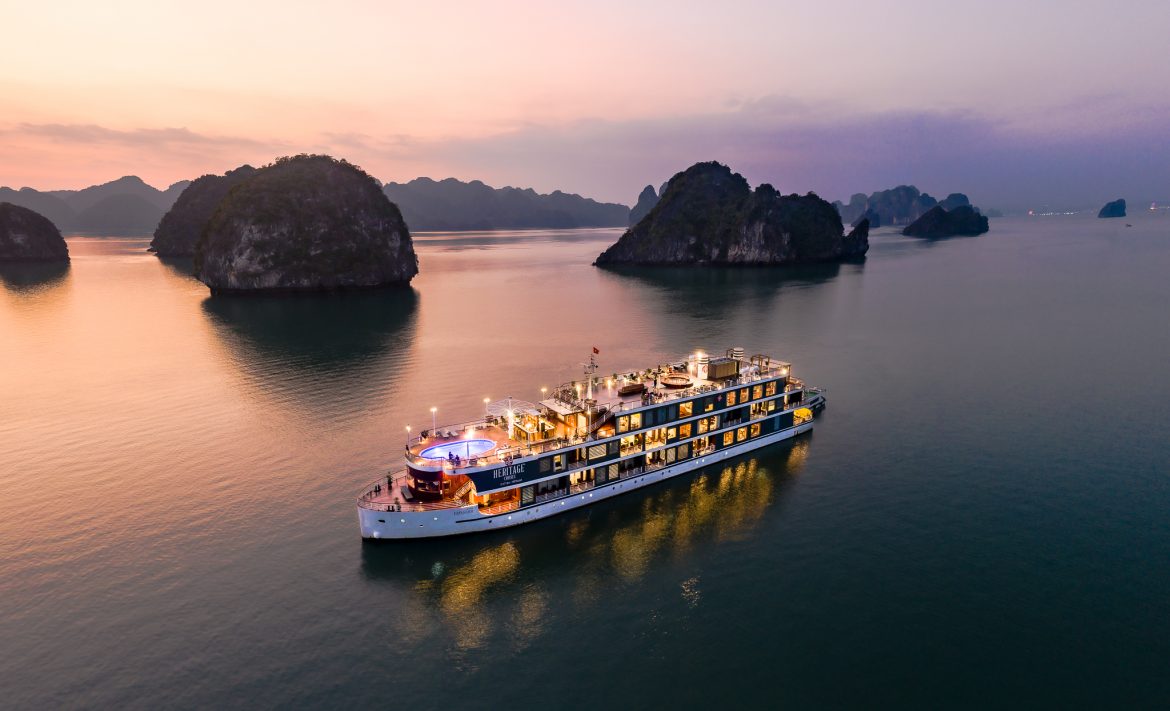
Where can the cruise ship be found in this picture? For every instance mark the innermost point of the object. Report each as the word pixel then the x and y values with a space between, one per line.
pixel 587 440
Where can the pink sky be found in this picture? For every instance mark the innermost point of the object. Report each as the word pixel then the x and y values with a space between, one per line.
pixel 592 97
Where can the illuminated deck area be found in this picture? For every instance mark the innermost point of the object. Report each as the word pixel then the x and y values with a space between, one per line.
pixel 570 417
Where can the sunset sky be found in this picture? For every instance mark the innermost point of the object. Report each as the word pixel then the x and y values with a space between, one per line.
pixel 1012 102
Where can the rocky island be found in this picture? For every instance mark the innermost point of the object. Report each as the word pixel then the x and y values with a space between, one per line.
pixel 938 222
pixel 647 199
pixel 27 236
pixel 1113 209
pixel 709 215
pixel 179 230
pixel 305 223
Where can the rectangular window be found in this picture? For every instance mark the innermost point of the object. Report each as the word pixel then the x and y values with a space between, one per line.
pixel 703 426
pixel 623 424
pixel 686 409
pixel 684 431
pixel 741 434
pixel 636 421
pixel 684 451
pixel 743 395
pixel 614 446
pixel 670 453
pixel 545 465
pixel 755 430
pixel 771 406
pixel 757 392
pixel 559 463
pixel 633 443
pixel 597 451
pixel 655 438
pixel 731 398
pixel 708 404
pixel 728 438
pixel 526 495
pixel 770 388
pixel 613 472
pixel 671 434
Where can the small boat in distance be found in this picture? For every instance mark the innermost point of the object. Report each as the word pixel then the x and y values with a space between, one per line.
pixel 591 439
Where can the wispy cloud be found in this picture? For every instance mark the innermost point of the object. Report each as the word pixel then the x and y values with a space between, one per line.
pixel 92 134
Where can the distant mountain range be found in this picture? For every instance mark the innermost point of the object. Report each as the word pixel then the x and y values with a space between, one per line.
pixel 123 206
pixel 128 206
pixel 897 206
pixel 451 204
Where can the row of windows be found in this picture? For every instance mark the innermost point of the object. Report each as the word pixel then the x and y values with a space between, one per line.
pixel 670 413
pixel 656 459
pixel 652 439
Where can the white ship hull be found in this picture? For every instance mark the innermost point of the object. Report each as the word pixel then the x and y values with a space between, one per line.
pixel 383 525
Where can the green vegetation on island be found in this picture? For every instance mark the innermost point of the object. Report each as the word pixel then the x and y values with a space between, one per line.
pixel 27 236
pixel 305 223
pixel 180 228
pixel 709 215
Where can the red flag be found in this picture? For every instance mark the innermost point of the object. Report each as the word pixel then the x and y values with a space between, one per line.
pixel 595 351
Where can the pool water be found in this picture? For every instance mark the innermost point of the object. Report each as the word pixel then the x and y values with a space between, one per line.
pixel 462 448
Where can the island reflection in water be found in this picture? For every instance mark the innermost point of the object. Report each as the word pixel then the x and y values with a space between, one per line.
pixel 316 349
pixel 707 293
pixel 30 277
pixel 479 589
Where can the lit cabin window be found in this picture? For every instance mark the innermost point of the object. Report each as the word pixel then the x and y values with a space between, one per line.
pixel 757 392
pixel 623 424
pixel 770 388
pixel 755 432
pixel 686 409
pixel 684 431
pixel 731 398
pixel 636 421
pixel 741 434
pixel 728 438
pixel 743 395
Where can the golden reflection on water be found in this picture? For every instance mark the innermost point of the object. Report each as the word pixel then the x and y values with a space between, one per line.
pixel 504 586
pixel 461 592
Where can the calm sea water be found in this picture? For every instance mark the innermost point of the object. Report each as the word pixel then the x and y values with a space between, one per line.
pixel 981 518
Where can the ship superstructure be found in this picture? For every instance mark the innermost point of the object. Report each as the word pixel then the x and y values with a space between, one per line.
pixel 588 439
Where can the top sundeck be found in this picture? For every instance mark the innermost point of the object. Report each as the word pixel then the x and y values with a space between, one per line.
pixel 585 409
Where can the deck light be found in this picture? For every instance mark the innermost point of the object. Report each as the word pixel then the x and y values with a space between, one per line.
pixel 434 424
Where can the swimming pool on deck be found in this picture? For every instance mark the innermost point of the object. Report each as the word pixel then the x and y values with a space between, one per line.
pixel 465 448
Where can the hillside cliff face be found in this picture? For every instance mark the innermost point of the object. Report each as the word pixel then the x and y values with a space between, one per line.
pixel 454 205
pixel 710 215
pixel 305 223
pixel 179 230
pixel 26 236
